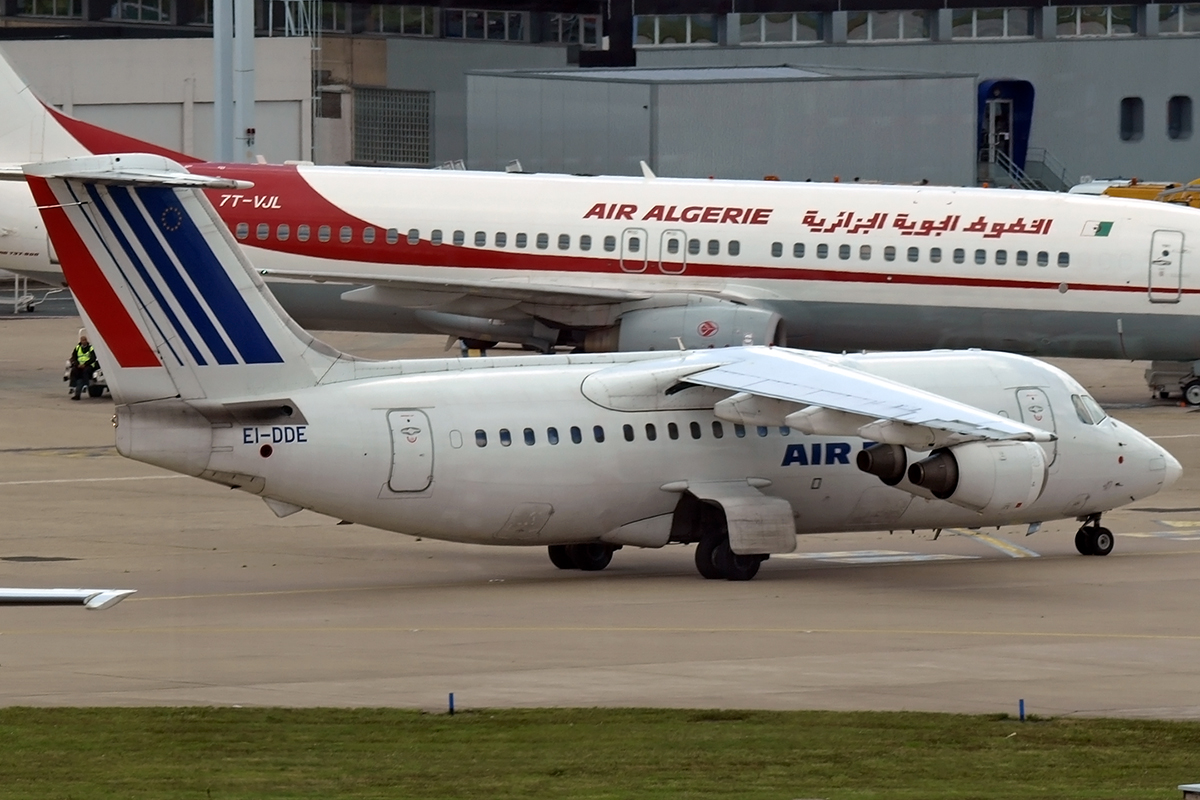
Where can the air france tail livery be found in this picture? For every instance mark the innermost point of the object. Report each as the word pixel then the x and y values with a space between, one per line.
pixel 736 450
pixel 623 264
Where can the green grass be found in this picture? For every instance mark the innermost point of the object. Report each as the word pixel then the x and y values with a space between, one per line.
pixel 224 753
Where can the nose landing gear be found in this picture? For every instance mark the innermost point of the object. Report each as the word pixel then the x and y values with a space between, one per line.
pixel 1093 540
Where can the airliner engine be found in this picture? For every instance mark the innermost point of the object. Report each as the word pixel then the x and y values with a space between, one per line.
pixel 697 327
pixel 987 477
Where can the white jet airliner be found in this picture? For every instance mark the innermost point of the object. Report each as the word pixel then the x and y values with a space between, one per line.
pixel 737 449
pixel 622 264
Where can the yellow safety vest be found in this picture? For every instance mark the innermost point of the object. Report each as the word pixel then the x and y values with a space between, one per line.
pixel 82 355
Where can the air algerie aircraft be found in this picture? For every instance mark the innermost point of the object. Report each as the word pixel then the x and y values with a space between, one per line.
pixel 623 264
pixel 736 449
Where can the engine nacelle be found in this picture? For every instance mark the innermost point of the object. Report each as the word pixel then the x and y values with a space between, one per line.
pixel 888 462
pixel 987 477
pixel 698 327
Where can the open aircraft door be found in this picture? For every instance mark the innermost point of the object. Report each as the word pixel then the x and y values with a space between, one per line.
pixel 412 451
pixel 1166 267
pixel 1036 411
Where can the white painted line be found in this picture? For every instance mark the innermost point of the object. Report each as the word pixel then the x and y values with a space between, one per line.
pixel 93 480
pixel 1008 548
pixel 874 557
pixel 1178 436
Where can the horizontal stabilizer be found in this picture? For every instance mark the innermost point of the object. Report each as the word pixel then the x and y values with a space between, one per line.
pixel 94 599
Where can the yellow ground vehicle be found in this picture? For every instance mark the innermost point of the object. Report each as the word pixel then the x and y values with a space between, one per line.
pixel 1181 194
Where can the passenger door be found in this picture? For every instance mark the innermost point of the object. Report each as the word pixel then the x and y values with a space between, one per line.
pixel 1166 267
pixel 1036 412
pixel 633 250
pixel 672 253
pixel 412 451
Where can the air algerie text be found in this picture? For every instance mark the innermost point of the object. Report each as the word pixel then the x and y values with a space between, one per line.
pixel 713 214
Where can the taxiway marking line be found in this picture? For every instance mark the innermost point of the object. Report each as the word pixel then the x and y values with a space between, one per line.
pixel 94 480
pixel 1008 548
pixel 1177 436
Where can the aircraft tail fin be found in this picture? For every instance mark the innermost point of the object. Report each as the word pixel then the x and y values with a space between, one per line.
pixel 175 305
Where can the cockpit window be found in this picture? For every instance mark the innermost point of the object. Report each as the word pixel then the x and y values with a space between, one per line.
pixel 1087 409
pixel 1098 413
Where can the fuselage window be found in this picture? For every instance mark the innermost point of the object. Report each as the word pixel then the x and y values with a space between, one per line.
pixel 345 234
pixel 564 241
pixel 505 437
pixel 693 247
pixel 627 430
pixel 864 253
pixel 672 430
pixel 243 230
pixel 501 239
pixel 1022 258
pixel 324 232
pixel 935 255
pixel 283 232
pixel 844 252
pixel 739 431
pixel 598 433
pixel 651 432
pixel 798 250
pixel 414 235
pixel 576 435
pixel 585 242
pixel 391 235
pixel 480 239
pixel 761 430
pixel 734 248
pixel 914 253
pixel 263 230
pixel 1001 258
pixel 777 249
pixel 303 232
pixel 369 235
pixel 459 238
pixel 530 439
pixel 1043 258
pixel 784 430
pixel 635 244
pixel 673 246
pixel 610 243
pixel 1064 259
pixel 960 255
pixel 552 435
pixel 521 240
pixel 889 253
pixel 714 247
pixel 481 438
pixel 435 236
pixel 718 429
pixel 543 241
pixel 695 429
pixel 981 256
pixel 822 251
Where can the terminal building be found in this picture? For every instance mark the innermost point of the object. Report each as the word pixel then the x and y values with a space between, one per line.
pixel 888 90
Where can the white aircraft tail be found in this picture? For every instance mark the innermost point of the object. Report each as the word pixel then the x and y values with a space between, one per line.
pixel 175 305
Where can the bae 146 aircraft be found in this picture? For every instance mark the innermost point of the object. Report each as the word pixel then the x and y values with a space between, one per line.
pixel 623 264
pixel 736 449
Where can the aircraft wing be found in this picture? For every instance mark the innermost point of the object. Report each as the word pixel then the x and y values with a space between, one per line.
pixel 93 599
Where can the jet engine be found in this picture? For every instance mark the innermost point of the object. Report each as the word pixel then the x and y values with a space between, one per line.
pixel 697 326
pixel 987 477
pixel 888 462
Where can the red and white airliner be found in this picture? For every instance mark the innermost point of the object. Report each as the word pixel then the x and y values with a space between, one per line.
pixel 643 263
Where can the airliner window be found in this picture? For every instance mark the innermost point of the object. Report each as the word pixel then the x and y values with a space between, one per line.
pixel 505 437
pixel 564 241
pixel 435 236
pixel 392 235
pixel 627 430
pixel 480 239
pixel 263 230
pixel 672 246
pixel 598 433
pixel 844 252
pixel 914 254
pixel 369 235
pixel 718 429
pixel 610 243
pixel 323 233
pixel 481 438
pixel 693 247
pixel 543 241
pixel 243 230
pixel 552 435
pixel 777 249
pixel 695 429
pixel 822 251
pixel 1064 259
pixel 651 432
pixel 283 232
pixel 635 244
pixel 576 435
pixel 1097 413
pixel 522 240
pixel 460 238
pixel 784 430
pixel 1022 258
pixel 761 430
pixel 672 430
pixel 530 439
pixel 981 256
pixel 303 232
pixel 935 255
pixel 864 253
pixel 501 239
pixel 345 234
pixel 1001 258
pixel 735 247
pixel 1081 410
pixel 960 255
pixel 798 250
pixel 714 247
pixel 414 235
pixel 889 253
pixel 1043 258
pixel 585 242
pixel 739 431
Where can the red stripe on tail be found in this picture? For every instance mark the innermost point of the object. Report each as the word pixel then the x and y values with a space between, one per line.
pixel 102 142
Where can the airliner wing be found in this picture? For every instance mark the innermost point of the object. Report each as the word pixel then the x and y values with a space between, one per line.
pixel 93 599
pixel 815 394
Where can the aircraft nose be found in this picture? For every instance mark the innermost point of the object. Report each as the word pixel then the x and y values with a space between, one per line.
pixel 1174 469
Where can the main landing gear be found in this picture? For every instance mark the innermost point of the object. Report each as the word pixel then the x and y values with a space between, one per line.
pixel 588 557
pixel 714 559
pixel 1093 540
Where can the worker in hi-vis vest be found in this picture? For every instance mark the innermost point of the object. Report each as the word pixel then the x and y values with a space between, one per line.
pixel 83 364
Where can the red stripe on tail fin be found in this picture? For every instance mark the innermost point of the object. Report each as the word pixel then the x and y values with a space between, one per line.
pixel 101 141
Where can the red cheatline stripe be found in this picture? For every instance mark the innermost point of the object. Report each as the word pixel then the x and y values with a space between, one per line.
pixel 93 291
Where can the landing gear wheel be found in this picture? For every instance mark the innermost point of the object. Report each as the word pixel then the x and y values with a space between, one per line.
pixel 1191 393
pixel 1081 542
pixel 590 557
pixel 735 567
pixel 705 563
pixel 1100 540
pixel 95 391
pixel 560 558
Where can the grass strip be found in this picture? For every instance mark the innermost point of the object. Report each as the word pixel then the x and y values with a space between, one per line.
pixel 225 753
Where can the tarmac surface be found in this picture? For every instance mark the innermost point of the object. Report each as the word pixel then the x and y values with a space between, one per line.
pixel 235 606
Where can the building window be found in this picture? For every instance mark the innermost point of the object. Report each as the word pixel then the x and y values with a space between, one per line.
pixel 141 10
pixel 1096 21
pixel 334 17
pixel 1133 119
pixel 404 20
pixel 1178 19
pixel 500 26
pixel 992 23
pixel 1179 117
pixel 392 126
pixel 581 29
pixel 53 8
pixel 675 29
pixel 887 26
pixel 805 26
